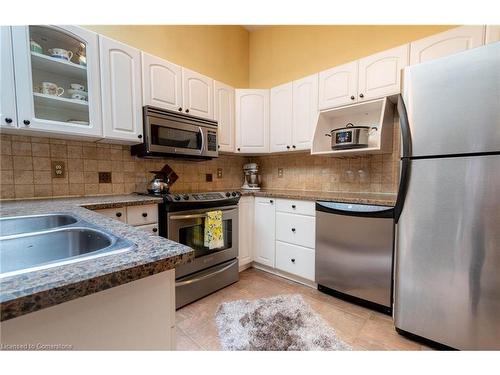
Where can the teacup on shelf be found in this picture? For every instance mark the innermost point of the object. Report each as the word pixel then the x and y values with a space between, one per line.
pixel 78 96
pixel 49 88
pixel 61 53
pixel 77 86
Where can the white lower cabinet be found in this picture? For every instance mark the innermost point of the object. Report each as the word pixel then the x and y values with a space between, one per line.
pixel 245 230
pixel 282 236
pixel 144 217
pixel 296 229
pixel 264 231
pixel 297 260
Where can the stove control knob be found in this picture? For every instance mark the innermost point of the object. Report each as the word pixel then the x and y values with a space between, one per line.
pixel 234 194
pixel 228 194
pixel 177 198
pixel 185 197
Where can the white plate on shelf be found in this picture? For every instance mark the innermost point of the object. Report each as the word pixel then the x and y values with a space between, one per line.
pixel 73 91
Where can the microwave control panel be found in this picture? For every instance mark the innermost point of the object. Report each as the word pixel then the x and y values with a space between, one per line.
pixel 211 141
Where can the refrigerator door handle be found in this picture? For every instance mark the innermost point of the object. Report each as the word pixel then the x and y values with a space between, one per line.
pixel 405 161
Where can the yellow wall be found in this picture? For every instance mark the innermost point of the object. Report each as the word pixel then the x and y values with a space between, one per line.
pixel 280 54
pixel 220 52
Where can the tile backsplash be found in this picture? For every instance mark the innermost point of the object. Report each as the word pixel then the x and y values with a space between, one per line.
pixel 26 169
pixel 27 163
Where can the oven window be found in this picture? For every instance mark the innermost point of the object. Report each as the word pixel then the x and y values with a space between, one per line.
pixel 172 137
pixel 193 236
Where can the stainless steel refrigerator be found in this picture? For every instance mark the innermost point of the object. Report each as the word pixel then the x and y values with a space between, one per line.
pixel 447 267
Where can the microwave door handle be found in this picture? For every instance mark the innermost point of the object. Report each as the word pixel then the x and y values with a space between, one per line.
pixel 202 140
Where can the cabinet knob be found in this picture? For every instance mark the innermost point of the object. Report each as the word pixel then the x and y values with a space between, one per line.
pixel 352 97
pixel 27 122
pixel 293 230
pixel 288 147
pixel 361 95
pixel 294 206
pixel 8 120
pixel 271 201
pixel 187 110
pixel 118 214
pixel 144 214
pixel 139 136
pixel 180 109
pixel 218 147
pixel 238 149
pixel 155 230
pixel 293 146
pixel 293 260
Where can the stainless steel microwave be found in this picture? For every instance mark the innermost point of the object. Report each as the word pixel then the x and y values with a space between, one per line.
pixel 169 133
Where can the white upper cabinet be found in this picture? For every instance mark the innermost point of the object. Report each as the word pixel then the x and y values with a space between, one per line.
pixel 446 43
pixel 338 86
pixel 224 115
pixel 281 118
pixel 57 80
pixel 252 121
pixel 161 83
pixel 197 94
pixel 380 74
pixel 265 231
pixel 8 118
pixel 121 91
pixel 305 111
pixel 492 33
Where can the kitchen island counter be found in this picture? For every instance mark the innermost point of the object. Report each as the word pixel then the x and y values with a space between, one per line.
pixel 25 293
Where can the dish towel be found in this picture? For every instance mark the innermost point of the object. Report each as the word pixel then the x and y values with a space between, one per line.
pixel 214 238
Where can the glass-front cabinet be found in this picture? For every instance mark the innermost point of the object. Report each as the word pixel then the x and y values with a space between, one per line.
pixel 57 80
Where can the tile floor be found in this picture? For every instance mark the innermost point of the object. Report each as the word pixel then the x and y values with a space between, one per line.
pixel 363 329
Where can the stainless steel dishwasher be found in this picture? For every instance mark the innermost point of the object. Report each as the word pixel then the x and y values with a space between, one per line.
pixel 354 252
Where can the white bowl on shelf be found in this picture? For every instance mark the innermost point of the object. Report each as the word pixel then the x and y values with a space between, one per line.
pixel 80 92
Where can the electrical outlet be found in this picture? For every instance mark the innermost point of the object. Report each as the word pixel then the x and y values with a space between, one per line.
pixel 104 177
pixel 58 169
pixel 209 177
pixel 219 172
pixel 280 172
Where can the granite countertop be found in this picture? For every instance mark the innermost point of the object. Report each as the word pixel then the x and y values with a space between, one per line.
pixel 25 293
pixel 384 199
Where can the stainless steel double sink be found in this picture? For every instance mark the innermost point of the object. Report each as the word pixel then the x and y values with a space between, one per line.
pixel 35 242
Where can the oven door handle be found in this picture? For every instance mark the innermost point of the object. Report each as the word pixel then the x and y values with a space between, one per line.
pixel 208 275
pixel 196 216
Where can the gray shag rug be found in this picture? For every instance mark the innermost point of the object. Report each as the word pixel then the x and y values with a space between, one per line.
pixel 284 322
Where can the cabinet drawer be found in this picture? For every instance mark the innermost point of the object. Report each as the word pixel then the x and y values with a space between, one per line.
pixel 115 213
pixel 296 229
pixel 141 215
pixel 296 206
pixel 151 228
pixel 294 259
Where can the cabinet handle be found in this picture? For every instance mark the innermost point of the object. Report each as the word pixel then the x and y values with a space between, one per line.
pixel 187 110
pixel 118 214
pixel 361 95
pixel 293 146
pixel 353 97
pixel 155 230
pixel 238 149
pixel 144 214
pixel 293 260
pixel 271 201
pixel 139 136
pixel 288 147
pixel 8 120
pixel 293 230
pixel 27 122
pixel 180 109
pixel 294 207
pixel 218 147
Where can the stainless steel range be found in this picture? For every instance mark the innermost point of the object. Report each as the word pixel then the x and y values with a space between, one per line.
pixel 182 219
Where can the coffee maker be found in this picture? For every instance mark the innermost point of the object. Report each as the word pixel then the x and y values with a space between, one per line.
pixel 252 177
